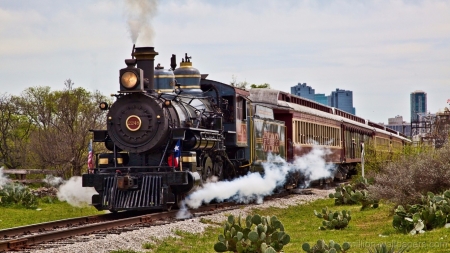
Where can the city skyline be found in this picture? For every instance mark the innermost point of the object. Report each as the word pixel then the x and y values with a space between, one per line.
pixel 380 50
pixel 341 99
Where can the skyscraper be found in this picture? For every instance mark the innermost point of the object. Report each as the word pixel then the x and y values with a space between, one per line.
pixel 302 90
pixel 321 98
pixel 342 99
pixel 418 104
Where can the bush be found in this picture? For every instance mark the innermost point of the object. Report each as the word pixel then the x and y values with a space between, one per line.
pixel 406 180
pixel 267 236
pixel 17 194
pixel 376 160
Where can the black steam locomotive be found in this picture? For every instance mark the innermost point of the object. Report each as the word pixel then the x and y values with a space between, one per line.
pixel 169 130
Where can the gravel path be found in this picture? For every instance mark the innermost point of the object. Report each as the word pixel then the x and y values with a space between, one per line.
pixel 134 240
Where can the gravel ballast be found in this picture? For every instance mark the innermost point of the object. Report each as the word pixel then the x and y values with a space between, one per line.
pixel 134 240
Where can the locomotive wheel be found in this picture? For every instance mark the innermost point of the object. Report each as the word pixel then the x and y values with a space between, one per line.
pixel 218 170
pixel 207 169
pixel 212 169
pixel 178 200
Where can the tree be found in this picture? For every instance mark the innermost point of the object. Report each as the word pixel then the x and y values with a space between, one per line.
pixel 264 85
pixel 62 121
pixel 14 134
pixel 235 83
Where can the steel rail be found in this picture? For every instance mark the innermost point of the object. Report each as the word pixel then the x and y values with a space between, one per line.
pixel 30 240
pixel 41 227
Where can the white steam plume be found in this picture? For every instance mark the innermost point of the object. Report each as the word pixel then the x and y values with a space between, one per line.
pixel 73 192
pixel 139 14
pixel 3 179
pixel 255 186
pixel 53 181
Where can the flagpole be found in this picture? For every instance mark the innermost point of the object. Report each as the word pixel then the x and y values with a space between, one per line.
pixel 362 159
pixel 180 162
pixel 90 158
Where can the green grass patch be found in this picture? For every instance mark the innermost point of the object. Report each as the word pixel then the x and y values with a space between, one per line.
pixel 365 230
pixel 190 242
pixel 48 210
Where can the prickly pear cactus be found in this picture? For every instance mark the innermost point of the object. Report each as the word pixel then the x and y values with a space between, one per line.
pixel 342 196
pixel 350 194
pixel 433 212
pixel 258 234
pixel 322 247
pixel 333 219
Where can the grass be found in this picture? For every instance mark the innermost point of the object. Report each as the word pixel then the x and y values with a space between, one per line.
pixel 366 229
pixel 14 216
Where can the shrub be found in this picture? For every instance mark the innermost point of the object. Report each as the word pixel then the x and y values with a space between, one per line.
pixel 333 220
pixel 18 194
pixel 267 236
pixel 376 160
pixel 322 247
pixel 405 181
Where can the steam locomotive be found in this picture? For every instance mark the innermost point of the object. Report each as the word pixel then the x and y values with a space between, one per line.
pixel 170 130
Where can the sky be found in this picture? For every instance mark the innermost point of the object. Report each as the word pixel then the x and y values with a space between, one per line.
pixel 381 50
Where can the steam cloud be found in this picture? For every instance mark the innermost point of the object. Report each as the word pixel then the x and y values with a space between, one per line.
pixel 53 181
pixel 3 179
pixel 138 14
pixel 70 191
pixel 73 192
pixel 255 186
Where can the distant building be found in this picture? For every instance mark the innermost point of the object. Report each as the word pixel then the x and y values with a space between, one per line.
pixel 342 99
pixel 302 90
pixel 395 121
pixel 418 104
pixel 397 124
pixel 321 98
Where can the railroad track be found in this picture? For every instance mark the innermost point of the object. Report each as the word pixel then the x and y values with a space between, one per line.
pixel 26 237
pixel 61 232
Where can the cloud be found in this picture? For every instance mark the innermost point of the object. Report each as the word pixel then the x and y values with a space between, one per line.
pixel 381 50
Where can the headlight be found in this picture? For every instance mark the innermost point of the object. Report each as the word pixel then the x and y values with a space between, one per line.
pixel 128 80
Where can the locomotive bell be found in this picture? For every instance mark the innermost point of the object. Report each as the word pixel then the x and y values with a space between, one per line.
pixel 187 77
pixel 131 78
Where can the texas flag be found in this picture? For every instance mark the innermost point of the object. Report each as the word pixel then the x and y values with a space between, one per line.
pixel 174 158
pixel 90 158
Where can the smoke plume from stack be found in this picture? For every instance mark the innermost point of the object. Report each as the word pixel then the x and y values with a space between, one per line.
pixel 254 186
pixel 139 14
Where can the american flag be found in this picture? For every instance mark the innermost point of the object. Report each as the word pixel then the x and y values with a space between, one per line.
pixel 90 157
pixel 174 158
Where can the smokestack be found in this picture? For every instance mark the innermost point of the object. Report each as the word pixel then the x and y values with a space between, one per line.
pixel 145 57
